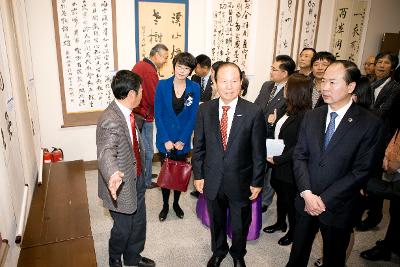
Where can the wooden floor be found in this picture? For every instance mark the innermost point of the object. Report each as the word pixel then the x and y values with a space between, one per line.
pixel 58 229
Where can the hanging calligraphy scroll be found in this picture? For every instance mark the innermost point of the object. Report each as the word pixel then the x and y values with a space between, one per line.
pixel 309 23
pixel 230 40
pixel 87 57
pixel 161 21
pixel 285 27
pixel 349 29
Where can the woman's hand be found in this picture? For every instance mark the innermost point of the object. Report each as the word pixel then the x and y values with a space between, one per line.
pixel 169 145
pixel 272 117
pixel 179 145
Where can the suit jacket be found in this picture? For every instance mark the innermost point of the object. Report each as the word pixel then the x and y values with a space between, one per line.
pixel 114 152
pixel 278 102
pixel 206 94
pixel 171 127
pixel 338 172
pixel 385 106
pixel 242 163
pixel 282 169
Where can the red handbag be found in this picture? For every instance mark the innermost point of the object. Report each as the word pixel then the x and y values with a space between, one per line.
pixel 174 175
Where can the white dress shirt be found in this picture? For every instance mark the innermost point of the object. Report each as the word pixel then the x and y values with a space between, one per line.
pixel 379 89
pixel 340 113
pixel 231 113
pixel 127 113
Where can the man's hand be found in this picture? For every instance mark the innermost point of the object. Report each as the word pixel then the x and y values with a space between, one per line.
pixel 254 192
pixel 313 204
pixel 114 182
pixel 169 145
pixel 199 185
pixel 179 145
pixel 272 117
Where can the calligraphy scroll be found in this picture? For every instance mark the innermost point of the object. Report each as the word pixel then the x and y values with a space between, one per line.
pixel 87 57
pixel 285 27
pixel 309 23
pixel 349 29
pixel 230 40
pixel 161 21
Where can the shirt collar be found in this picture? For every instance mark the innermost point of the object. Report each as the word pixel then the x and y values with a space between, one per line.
pixel 279 86
pixel 125 111
pixel 341 111
pixel 232 105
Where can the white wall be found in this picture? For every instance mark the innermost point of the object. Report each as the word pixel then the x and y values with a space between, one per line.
pixel 79 142
pixel 384 17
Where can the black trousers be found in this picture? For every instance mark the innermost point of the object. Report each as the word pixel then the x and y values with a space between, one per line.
pixel 286 194
pixel 335 242
pixel 128 234
pixel 240 217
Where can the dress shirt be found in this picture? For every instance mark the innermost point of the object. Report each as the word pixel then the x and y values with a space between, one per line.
pixel 206 78
pixel 279 124
pixel 127 113
pixel 279 87
pixel 379 88
pixel 231 113
pixel 340 113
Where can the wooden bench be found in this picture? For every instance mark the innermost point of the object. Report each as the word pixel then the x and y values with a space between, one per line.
pixel 58 229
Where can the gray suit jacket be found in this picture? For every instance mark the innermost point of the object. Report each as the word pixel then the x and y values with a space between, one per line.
pixel 115 153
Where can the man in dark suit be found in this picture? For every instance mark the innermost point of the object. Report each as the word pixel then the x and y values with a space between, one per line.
pixel 271 100
pixel 332 160
pixel 202 77
pixel 229 162
pixel 121 183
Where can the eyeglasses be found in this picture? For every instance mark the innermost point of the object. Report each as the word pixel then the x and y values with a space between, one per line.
pixel 182 67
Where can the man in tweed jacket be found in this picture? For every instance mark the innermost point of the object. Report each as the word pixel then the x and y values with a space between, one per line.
pixel 120 188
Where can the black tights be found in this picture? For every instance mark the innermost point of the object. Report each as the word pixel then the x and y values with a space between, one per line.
pixel 165 196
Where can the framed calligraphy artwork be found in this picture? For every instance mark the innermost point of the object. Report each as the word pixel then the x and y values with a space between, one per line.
pixel 87 57
pixel 231 29
pixel 349 29
pixel 285 27
pixel 309 23
pixel 161 21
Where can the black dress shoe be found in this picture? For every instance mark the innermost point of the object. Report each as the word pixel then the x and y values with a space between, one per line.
pixel 215 261
pixel 378 253
pixel 146 262
pixel 286 240
pixel 239 262
pixel 152 185
pixel 275 227
pixel 163 213
pixel 115 262
pixel 264 208
pixel 178 211
pixel 195 194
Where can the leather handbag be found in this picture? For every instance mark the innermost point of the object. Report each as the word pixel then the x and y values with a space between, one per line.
pixel 174 175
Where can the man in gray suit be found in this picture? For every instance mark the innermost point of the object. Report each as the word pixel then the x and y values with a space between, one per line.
pixel 121 185
pixel 271 101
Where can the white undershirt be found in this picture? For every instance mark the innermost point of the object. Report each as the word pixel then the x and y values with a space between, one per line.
pixel 279 124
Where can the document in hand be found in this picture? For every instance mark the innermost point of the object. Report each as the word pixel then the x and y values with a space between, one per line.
pixel 274 147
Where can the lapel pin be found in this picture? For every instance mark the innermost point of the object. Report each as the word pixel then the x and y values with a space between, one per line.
pixel 349 119
pixel 239 115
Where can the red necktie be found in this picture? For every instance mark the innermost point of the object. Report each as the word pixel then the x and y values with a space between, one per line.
pixel 136 145
pixel 224 125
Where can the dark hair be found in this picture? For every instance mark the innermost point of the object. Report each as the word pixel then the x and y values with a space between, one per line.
pixel 186 59
pixel 352 73
pixel 203 60
pixel 394 60
pixel 223 64
pixel 323 55
pixel 363 92
pixel 298 93
pixel 287 63
pixel 216 65
pixel 157 49
pixel 123 82
pixel 245 83
pixel 309 48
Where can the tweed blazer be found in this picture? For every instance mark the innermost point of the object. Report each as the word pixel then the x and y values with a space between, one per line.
pixel 115 153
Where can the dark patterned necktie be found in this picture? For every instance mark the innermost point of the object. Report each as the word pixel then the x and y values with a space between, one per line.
pixel 272 94
pixel 136 145
pixel 331 129
pixel 202 83
pixel 224 125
